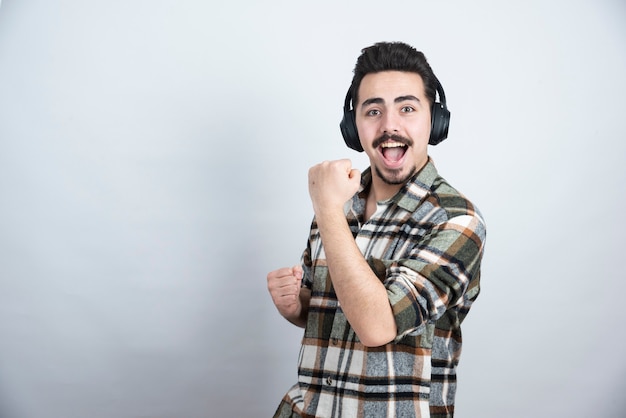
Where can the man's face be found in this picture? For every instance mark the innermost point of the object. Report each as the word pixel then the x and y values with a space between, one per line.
pixel 393 121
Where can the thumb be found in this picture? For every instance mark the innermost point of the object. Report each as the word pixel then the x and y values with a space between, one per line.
pixel 354 175
pixel 297 271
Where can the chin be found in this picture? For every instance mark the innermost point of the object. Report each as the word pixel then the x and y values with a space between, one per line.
pixel 395 176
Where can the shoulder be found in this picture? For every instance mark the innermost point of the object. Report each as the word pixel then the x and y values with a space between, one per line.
pixel 441 202
pixel 450 200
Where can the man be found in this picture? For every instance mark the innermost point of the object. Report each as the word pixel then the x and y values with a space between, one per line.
pixel 392 264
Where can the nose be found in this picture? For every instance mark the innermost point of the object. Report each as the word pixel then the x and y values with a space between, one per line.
pixel 390 123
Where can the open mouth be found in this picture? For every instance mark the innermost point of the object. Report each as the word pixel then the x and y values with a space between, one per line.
pixel 393 151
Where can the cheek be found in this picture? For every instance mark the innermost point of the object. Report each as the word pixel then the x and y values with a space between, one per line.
pixel 423 128
pixel 366 131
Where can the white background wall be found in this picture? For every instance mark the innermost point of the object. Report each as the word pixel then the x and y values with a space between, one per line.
pixel 153 161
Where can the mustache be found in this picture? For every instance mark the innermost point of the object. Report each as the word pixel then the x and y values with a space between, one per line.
pixel 397 138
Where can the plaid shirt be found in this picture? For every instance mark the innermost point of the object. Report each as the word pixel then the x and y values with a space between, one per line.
pixel 425 244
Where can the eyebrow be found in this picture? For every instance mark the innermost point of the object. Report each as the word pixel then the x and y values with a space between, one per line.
pixel 399 99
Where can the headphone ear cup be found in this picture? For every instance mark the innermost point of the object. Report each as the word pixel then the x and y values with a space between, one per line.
pixel 439 124
pixel 349 131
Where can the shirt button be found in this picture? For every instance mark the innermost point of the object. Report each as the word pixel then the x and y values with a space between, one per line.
pixel 329 380
pixel 334 341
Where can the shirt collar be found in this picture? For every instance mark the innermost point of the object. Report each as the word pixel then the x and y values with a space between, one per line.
pixel 412 192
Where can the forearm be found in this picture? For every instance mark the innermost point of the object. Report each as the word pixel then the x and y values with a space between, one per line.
pixel 362 296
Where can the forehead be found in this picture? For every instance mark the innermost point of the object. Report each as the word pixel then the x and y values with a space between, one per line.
pixel 388 85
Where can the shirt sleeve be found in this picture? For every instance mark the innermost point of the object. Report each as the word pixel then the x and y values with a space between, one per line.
pixel 440 271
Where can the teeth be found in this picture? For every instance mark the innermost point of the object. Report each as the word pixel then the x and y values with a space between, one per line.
pixel 391 144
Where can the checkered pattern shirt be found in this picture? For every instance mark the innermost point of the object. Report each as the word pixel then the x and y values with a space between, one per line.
pixel 425 244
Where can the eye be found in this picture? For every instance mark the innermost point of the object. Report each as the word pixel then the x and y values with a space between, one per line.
pixel 373 112
pixel 407 109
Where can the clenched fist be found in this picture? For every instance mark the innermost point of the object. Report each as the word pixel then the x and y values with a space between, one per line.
pixel 284 287
pixel 332 184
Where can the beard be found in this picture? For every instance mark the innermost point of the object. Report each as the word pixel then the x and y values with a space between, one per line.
pixel 394 177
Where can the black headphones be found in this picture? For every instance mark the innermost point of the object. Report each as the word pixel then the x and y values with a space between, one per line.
pixel 438 127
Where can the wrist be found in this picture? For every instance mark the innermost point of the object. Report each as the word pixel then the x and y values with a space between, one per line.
pixel 329 212
pixel 330 219
pixel 297 318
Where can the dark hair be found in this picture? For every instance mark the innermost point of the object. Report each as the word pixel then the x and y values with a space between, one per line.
pixel 393 56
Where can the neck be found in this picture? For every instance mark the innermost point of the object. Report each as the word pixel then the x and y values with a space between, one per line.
pixel 380 190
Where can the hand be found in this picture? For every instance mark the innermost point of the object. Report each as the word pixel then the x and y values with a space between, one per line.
pixel 332 184
pixel 284 287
